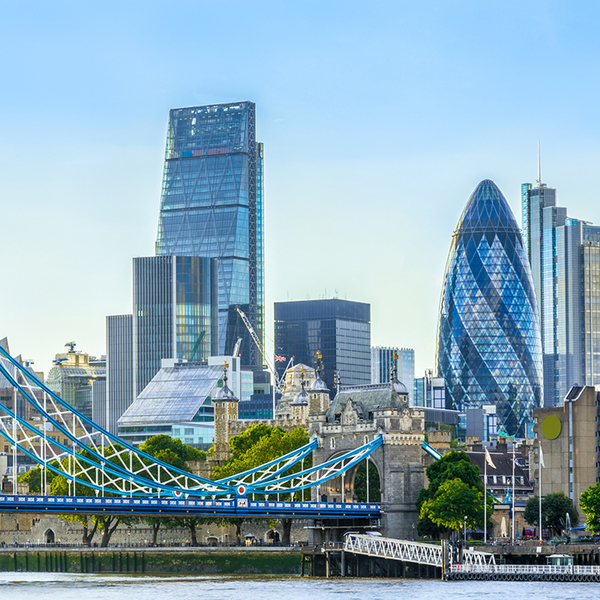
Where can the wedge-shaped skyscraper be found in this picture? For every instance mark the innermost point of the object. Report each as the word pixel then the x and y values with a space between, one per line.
pixel 489 345
pixel 212 206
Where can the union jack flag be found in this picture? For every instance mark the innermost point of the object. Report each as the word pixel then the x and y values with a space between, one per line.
pixel 279 358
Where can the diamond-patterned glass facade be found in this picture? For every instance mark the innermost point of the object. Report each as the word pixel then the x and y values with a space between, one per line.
pixel 212 206
pixel 489 346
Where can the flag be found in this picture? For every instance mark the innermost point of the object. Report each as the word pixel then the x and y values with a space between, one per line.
pixel 541 457
pixel 488 459
pixel 279 358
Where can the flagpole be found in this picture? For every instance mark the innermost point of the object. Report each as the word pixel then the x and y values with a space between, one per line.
pixel 540 494
pixel 512 541
pixel 485 500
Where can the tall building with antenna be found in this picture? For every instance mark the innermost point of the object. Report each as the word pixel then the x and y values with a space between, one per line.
pixel 564 254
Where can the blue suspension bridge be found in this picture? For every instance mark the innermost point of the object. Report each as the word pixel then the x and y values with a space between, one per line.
pixel 126 480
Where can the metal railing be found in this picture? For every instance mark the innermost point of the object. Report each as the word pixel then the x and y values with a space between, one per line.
pixel 527 569
pixel 417 552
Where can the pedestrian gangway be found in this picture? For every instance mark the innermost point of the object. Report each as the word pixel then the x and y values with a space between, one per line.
pixel 407 551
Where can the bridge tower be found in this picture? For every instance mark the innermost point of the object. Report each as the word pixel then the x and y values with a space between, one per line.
pixel 357 415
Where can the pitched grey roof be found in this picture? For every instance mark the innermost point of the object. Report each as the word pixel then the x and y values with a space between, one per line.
pixel 367 398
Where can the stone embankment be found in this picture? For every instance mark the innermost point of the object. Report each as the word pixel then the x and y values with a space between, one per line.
pixel 213 561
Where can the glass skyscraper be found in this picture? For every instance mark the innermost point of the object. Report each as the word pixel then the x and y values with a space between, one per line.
pixel 175 305
pixel 562 254
pixel 212 206
pixel 383 360
pixel 339 329
pixel 119 369
pixel 489 346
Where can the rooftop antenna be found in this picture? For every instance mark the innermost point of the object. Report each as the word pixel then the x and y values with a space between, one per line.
pixel 539 177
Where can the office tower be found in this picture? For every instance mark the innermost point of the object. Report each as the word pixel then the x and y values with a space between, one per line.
pixel 119 368
pixel 175 308
pixel 383 360
pixel 489 347
pixel 212 206
pixel 430 391
pixel 339 329
pixel 561 251
pixel 72 379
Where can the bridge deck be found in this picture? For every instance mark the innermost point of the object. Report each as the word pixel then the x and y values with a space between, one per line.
pixel 235 507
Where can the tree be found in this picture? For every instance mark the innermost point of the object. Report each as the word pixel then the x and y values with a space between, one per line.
pixel 106 524
pixel 555 507
pixel 162 447
pixel 590 505
pixel 453 501
pixel 258 445
pixel 433 520
pixel 33 477
pixel 172 452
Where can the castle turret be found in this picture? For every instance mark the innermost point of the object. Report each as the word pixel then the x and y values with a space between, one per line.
pixel 226 412
pixel 318 396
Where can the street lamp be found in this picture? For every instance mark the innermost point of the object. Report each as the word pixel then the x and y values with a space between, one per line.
pixel 465 529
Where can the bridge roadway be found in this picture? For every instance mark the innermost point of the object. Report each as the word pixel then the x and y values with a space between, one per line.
pixel 239 506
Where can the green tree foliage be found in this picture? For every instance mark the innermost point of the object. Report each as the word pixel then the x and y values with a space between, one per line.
pixel 555 507
pixel 258 445
pixel 172 451
pixel 457 468
pixel 360 483
pixel 453 501
pixel 163 447
pixel 590 505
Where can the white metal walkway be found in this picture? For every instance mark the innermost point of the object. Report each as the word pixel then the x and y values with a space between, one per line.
pixel 417 552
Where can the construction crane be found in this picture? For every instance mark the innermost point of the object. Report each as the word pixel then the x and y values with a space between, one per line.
pixel 236 348
pixel 197 345
pixel 277 381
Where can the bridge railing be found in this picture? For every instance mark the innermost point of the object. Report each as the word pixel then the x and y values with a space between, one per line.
pixel 238 506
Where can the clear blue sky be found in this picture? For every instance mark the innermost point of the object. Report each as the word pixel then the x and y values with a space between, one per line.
pixel 378 118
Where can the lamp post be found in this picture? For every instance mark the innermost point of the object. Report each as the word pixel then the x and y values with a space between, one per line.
pixel 465 529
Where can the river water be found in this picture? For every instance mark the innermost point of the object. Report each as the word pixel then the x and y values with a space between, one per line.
pixel 58 586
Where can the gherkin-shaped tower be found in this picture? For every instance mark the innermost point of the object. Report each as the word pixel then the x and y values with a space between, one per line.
pixel 489 346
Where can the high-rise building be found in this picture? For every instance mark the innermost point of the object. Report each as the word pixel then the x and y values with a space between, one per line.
pixel 489 345
pixel 383 360
pixel 175 308
pixel 562 254
pixel 212 206
pixel 430 391
pixel 339 329
pixel 72 377
pixel 119 369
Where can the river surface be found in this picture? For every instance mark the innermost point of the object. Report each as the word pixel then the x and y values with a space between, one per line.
pixel 58 586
